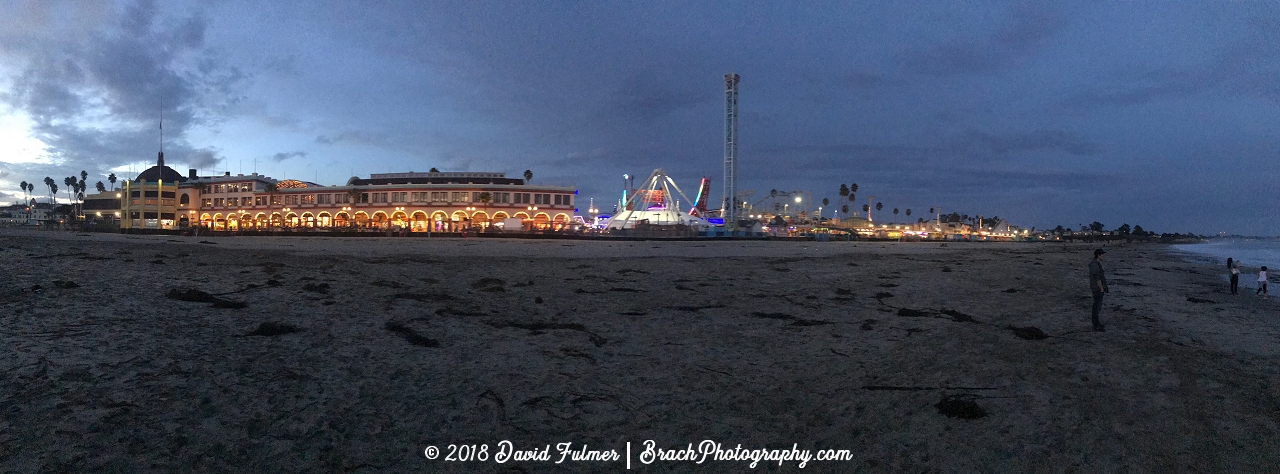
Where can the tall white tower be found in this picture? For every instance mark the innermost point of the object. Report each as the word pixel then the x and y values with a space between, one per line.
pixel 730 209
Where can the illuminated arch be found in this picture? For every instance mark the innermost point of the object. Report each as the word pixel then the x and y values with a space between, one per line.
pixel 362 219
pixel 291 219
pixel 497 216
pixel 233 221
pixel 459 216
pixel 524 216
pixel 541 220
pixel 260 220
pixel 399 218
pixel 308 219
pixel 324 220
pixel 479 216
pixel 420 223
pixel 342 219
pixel 561 218
pixel 205 220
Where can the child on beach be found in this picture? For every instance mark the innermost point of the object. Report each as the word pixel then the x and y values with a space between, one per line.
pixel 1262 282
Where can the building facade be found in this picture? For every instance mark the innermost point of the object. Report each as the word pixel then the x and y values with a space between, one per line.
pixel 418 202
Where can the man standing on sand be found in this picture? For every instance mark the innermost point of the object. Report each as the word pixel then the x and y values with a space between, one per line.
pixel 1097 283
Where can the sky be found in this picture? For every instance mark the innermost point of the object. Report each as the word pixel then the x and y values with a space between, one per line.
pixel 1159 114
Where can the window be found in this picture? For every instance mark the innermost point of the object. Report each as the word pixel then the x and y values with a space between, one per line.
pixel 399 197
pixel 185 199
pixel 324 199
pixel 502 197
pixel 219 202
pixel 522 198
pixel 461 197
pixel 364 197
pixel 246 187
pixel 206 202
pixel 233 202
pixel 259 201
pixel 437 196
pixel 308 198
pixel 542 198
pixel 415 197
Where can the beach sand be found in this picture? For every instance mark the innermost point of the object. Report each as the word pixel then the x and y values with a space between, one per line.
pixel 404 343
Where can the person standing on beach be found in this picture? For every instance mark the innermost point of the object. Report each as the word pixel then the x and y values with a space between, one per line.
pixel 1262 282
pixel 1098 284
pixel 1234 270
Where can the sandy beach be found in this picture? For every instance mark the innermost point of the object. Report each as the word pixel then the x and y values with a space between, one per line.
pixel 381 347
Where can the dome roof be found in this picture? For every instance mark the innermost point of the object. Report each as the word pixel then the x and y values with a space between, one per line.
pixel 160 172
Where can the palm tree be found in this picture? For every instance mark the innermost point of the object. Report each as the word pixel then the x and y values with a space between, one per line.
pixel 112 178
pixel 908 212
pixel 844 209
pixel 70 181
pixel 102 188
pixel 53 189
pixel 826 202
pixel 23 185
pixel 853 188
pixel 879 206
pixel 844 190
pixel 354 193
pixel 866 208
pixel 895 213
pixel 528 176
pixel 272 190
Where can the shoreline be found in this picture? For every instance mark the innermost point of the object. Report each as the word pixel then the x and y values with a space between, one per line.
pixel 395 347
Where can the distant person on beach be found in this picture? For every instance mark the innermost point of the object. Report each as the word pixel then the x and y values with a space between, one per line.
pixel 1234 269
pixel 1098 284
pixel 1262 282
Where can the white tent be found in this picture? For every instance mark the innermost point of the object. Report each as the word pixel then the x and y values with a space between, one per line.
pixel 655 203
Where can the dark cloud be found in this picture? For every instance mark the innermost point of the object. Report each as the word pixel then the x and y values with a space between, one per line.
pixel 1040 140
pixel 97 102
pixel 278 157
pixel 992 49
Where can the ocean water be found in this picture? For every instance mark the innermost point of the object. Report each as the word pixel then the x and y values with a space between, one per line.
pixel 1250 253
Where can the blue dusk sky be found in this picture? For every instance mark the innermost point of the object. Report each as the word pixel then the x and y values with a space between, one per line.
pixel 1162 114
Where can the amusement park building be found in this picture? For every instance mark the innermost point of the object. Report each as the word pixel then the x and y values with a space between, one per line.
pixel 433 201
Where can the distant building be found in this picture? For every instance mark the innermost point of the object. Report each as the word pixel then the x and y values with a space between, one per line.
pixel 161 198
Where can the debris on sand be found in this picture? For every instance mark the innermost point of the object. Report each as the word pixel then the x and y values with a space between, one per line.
pixel 760 314
pixel 946 269
pixel 844 291
pixel 810 322
pixel 869 324
pixel 883 295
pixel 197 296
pixel 66 284
pixel 410 335
pixel 207 242
pixel 273 329
pixel 626 290
pixel 536 327
pixel 537 300
pixel 316 287
pixel 157 262
pixel 1199 300
pixel 625 271
pixel 958 316
pixel 422 297
pixel 887 285
pixel 1011 290
pixel 571 352
pixel 487 283
pixel 273 282
pixel 960 406
pixel 1030 333
pixel 388 284
pixel 913 313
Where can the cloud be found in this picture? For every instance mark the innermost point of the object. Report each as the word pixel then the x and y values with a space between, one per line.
pixel 96 98
pixel 1015 142
pixel 1000 47
pixel 206 158
pixel 278 157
